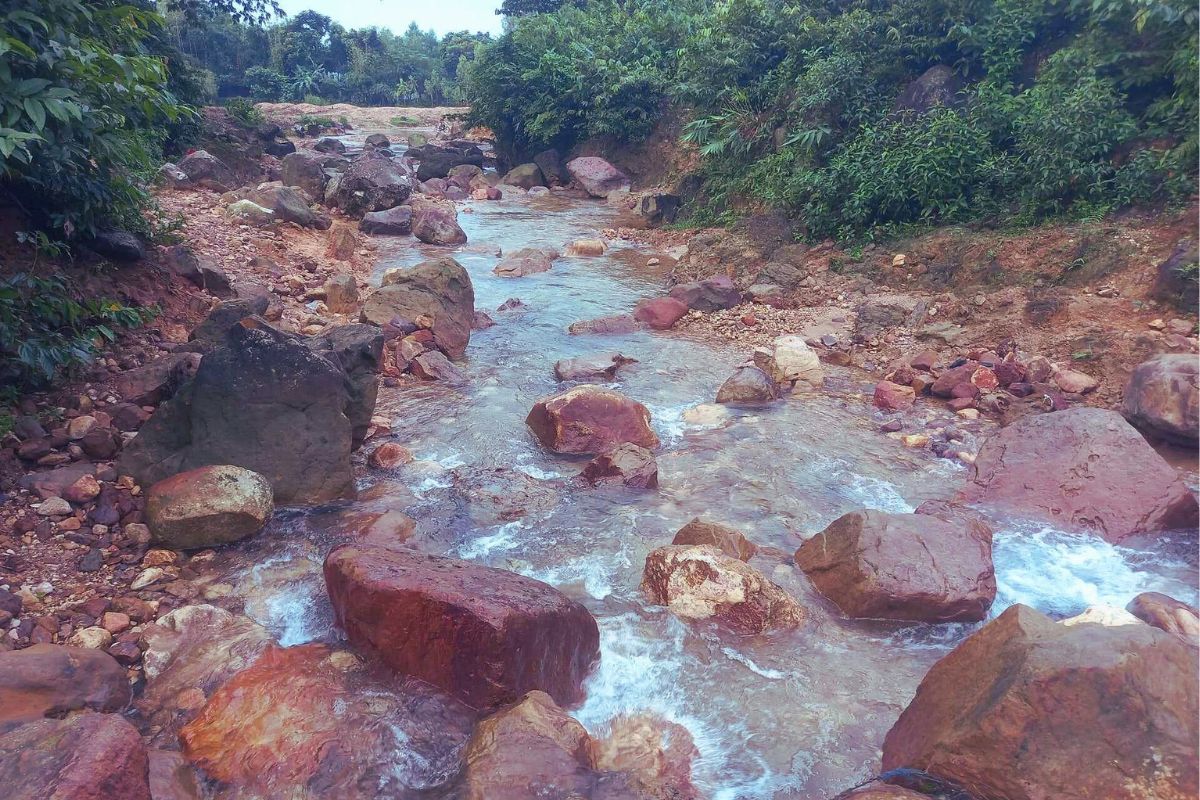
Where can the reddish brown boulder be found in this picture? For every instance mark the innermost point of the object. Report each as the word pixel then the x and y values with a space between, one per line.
pixel 903 566
pixel 1031 709
pixel 208 506
pixel 596 176
pixel 729 541
pixel 943 385
pixel 700 582
pixel 627 464
pixel 312 722
pixel 171 777
pixel 436 223
pixel 894 397
pixel 1084 469
pixel 86 756
pixel 1163 396
pixel 660 313
pixel 590 420
pixel 1166 613
pixel 483 634
pixel 49 680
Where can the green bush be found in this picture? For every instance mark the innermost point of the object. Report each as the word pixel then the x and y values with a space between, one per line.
pixel 46 327
pixel 265 85
pixel 243 110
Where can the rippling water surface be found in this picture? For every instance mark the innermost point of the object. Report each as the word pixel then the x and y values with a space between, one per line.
pixel 788 715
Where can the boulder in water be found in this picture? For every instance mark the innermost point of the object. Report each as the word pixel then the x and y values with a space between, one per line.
pixel 748 386
pixel 49 680
pixel 729 541
pixel 525 175
pixel 373 182
pixel 1166 613
pixel 1083 469
pixel 626 464
pixel 699 582
pixel 1023 706
pixel 526 261
pixel 438 291
pixel 437 223
pixel 660 313
pixel 711 294
pixel 600 367
pixel 85 756
pixel 590 420
pixel 389 222
pixel 1163 397
pixel 485 635
pixel 797 362
pixel 208 506
pixel 597 177
pixel 615 324
pixel 903 566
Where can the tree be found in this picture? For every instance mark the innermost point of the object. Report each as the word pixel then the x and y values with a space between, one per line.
pixel 522 8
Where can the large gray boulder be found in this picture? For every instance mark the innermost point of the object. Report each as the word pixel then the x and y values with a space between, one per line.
pixel 304 171
pixel 266 401
pixel 435 294
pixel 288 205
pixel 373 182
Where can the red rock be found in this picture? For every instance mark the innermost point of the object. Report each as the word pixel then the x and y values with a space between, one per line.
pixel 948 379
pixel 591 420
pixel 1166 613
pixel 1074 382
pixel 959 403
pixel 86 756
pixel 653 755
pixel 700 582
pixel 208 506
pixel 965 389
pixel 924 361
pixel 1082 469
pixel 84 490
pixel 984 378
pixel 626 464
pixel 894 397
pixel 49 680
pixel 596 176
pixel 171 777
pixel 432 365
pixel 903 566
pixel 1163 396
pixel 1009 372
pixel 728 540
pixel 1022 708
pixel 749 320
pixel 660 313
pixel 485 635
pixel 389 455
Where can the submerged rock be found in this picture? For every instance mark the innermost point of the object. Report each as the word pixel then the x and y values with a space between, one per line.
pixel 1021 709
pixel 49 680
pixel 86 756
pixel 903 566
pixel 485 635
pixel 526 261
pixel 590 420
pixel 208 506
pixel 700 582
pixel 1084 469
pixel 614 324
pixel 626 464
pixel 601 367
pixel 1163 396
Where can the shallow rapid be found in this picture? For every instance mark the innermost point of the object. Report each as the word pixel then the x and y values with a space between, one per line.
pixel 791 714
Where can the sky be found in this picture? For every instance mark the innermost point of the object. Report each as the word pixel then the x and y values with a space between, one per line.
pixel 440 15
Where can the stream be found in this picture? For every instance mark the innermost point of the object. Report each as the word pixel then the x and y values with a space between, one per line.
pixel 790 714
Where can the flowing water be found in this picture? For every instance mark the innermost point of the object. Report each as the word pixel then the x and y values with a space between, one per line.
pixel 798 714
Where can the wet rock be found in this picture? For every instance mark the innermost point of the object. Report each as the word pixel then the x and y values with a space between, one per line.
pixel 525 175
pixel 748 386
pixel 587 247
pixel 485 635
pixel 437 223
pixel 482 321
pixel 627 464
pixel 893 397
pixel 1083 469
pixel 86 756
pixel 660 313
pixel 700 582
pixel 171 777
pixel 903 566
pixel 526 261
pixel 49 680
pixel 264 401
pixel 389 455
pixel 711 294
pixel 652 755
pixel 304 171
pixel 797 362
pixel 590 420
pixel 208 506
pixel 729 541
pixel 596 176
pixel 600 367
pixel 882 791
pixel 531 749
pixel 373 182
pixel 433 366
pixel 439 290
pixel 189 653
pixel 1163 397
pixel 1021 708
pixel 389 222
pixel 310 722
pixel 615 324
pixel 1166 613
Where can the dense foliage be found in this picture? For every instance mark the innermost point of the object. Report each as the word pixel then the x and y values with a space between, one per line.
pixel 1049 107
pixel 309 57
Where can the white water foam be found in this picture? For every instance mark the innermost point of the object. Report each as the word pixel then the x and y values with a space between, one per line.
pixel 288 606
pixel 504 538
pixel 1062 573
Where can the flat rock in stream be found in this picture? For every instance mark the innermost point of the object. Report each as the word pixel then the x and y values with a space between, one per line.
pixel 590 420
pixel 526 261
pixel 599 367
pixel 485 635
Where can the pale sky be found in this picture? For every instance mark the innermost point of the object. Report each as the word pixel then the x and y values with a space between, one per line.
pixel 440 15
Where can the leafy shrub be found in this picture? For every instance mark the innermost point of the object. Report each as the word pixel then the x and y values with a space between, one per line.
pixel 45 327
pixel 314 100
pixel 265 85
pixel 243 110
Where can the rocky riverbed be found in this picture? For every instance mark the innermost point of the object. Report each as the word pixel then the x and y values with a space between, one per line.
pixel 467 500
